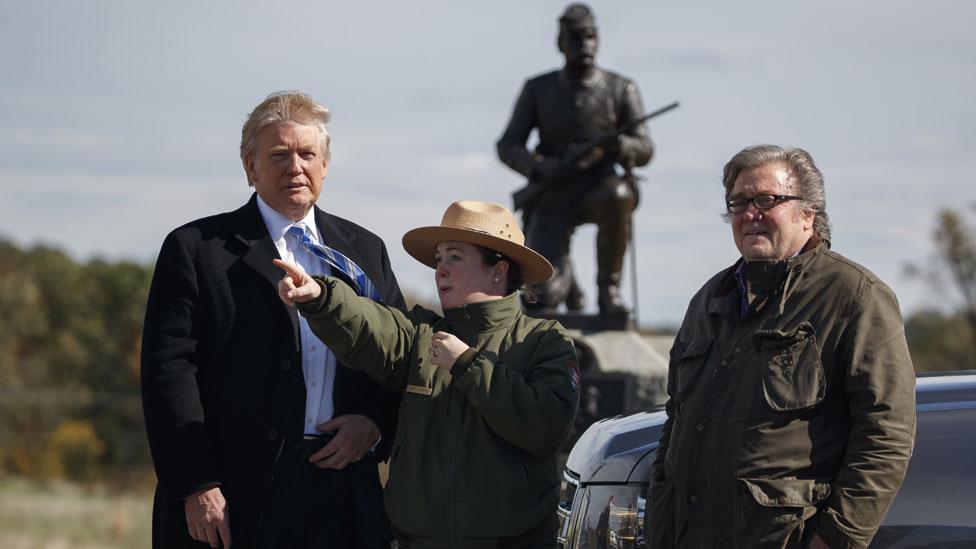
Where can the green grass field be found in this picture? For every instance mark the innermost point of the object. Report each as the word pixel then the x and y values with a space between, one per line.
pixel 57 515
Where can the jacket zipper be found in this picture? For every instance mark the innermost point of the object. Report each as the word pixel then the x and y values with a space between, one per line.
pixel 720 395
pixel 452 471
pixel 454 427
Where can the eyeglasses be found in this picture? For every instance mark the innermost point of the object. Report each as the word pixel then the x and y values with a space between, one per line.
pixel 762 202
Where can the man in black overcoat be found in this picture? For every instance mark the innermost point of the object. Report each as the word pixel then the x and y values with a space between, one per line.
pixel 258 437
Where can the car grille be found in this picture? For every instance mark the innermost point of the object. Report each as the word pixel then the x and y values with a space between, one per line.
pixel 567 495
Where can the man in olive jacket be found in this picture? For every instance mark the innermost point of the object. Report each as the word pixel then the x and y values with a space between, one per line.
pixel 791 409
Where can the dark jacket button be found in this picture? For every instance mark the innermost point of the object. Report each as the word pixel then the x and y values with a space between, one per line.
pixel 273 434
pixel 285 364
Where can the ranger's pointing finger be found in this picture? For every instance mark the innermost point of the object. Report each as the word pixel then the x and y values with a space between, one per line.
pixel 292 269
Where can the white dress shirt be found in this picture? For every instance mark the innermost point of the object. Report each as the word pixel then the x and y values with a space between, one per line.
pixel 318 361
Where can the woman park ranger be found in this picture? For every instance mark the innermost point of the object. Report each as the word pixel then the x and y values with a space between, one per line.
pixel 489 394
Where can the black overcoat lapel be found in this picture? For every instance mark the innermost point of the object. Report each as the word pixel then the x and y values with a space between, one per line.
pixel 260 250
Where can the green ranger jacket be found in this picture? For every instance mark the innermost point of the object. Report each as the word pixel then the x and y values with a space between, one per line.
pixel 474 458
pixel 796 417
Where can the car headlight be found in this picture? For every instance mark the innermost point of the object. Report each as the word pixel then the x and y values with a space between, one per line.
pixel 625 526
pixel 610 516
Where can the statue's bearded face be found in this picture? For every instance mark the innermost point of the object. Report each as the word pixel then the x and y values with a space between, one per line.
pixel 578 45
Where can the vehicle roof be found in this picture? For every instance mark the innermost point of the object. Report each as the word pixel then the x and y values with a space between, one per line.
pixel 934 381
pixel 938 390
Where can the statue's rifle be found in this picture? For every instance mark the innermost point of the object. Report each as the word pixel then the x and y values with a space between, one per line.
pixel 583 157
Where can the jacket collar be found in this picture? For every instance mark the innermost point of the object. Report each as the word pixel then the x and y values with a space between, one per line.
pixel 486 315
pixel 764 281
pixel 260 248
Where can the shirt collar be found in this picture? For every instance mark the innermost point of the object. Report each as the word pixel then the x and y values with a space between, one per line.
pixel 278 224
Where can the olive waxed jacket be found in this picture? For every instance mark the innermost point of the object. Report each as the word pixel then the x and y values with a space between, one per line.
pixel 474 457
pixel 797 417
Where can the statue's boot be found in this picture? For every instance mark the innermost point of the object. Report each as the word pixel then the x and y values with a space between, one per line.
pixel 544 298
pixel 611 245
pixel 611 304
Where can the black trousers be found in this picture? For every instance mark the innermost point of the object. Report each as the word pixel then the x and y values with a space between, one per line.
pixel 338 509
pixel 302 506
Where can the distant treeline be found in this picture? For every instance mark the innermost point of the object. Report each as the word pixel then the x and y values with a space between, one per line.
pixel 69 362
pixel 940 341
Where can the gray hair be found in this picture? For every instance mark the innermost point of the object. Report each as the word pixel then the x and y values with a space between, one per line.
pixel 805 174
pixel 285 106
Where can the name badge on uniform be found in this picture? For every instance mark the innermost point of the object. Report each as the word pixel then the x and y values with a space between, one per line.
pixel 418 390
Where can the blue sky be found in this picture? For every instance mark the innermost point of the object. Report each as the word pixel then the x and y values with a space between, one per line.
pixel 121 120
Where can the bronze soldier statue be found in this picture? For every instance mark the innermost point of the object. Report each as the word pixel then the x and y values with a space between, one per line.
pixel 569 107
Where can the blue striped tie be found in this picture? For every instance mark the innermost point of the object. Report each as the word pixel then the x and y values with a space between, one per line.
pixel 362 284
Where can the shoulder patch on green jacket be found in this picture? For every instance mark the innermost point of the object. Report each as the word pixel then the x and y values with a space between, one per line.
pixel 574 373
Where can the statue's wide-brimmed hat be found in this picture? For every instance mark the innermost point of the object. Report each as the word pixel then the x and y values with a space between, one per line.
pixel 484 224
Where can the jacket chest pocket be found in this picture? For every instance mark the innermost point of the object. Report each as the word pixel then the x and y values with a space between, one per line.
pixel 793 376
pixel 689 367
